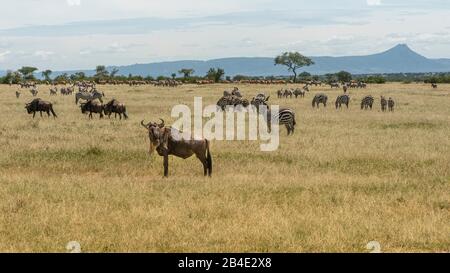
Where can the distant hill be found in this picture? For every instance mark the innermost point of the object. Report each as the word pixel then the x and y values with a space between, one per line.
pixel 399 59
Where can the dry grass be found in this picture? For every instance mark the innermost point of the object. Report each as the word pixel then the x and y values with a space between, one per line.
pixel 345 178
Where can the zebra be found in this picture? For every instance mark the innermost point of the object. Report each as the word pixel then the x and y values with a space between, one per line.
pixel 34 92
pixel 391 104
pixel 320 98
pixel 234 101
pixel 89 96
pixel 287 93
pixel 226 93
pixel 367 102
pixel 53 91
pixel 285 116
pixel 383 104
pixel 342 99
pixel 236 92
pixel 334 85
pixel 280 93
pixel 299 92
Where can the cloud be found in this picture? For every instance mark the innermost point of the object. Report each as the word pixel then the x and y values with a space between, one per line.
pixel 4 54
pixel 374 2
pixel 43 54
pixel 72 3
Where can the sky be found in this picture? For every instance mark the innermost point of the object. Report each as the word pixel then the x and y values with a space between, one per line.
pixel 80 34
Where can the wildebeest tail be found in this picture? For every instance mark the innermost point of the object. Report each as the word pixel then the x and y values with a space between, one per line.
pixel 208 158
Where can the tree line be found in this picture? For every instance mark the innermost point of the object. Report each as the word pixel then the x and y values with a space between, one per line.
pixel 293 61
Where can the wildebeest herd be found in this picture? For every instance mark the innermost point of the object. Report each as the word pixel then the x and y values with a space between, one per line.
pixel 160 136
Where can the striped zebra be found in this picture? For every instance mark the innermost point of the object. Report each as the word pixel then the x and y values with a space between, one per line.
pixel 320 98
pixel 342 99
pixel 285 116
pixel 391 105
pixel 367 102
pixel 383 104
pixel 299 92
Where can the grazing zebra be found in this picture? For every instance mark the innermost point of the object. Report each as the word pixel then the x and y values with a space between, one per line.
pixel 226 93
pixel 34 92
pixel 285 116
pixel 383 104
pixel 89 96
pixel 342 99
pixel 225 101
pixel 391 104
pixel 280 94
pixel 53 91
pixel 236 92
pixel 320 98
pixel 288 93
pixel 367 102
pixel 299 92
pixel 306 88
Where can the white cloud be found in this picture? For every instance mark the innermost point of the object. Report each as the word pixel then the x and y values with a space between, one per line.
pixel 72 3
pixel 4 54
pixel 374 2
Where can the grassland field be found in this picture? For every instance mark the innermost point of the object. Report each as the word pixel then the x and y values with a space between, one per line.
pixel 346 177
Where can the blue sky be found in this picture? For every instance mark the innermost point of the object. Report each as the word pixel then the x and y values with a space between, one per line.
pixel 79 34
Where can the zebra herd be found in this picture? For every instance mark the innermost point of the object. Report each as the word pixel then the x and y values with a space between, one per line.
pixel 285 116
pixel 289 93
pixel 344 99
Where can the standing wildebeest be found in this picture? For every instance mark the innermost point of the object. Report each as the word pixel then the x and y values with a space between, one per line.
pixel 163 140
pixel 280 93
pixel 17 94
pixel 434 85
pixel 367 102
pixel 92 106
pixel 318 99
pixel 115 107
pixel 38 105
pixel 391 105
pixel 342 99
pixel 384 103
pixel 88 96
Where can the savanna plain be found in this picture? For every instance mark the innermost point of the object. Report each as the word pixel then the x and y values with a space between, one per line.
pixel 345 178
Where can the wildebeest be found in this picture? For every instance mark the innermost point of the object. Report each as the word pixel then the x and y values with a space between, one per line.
pixel 334 85
pixel 163 141
pixel 17 94
pixel 280 93
pixel 88 96
pixel 367 102
pixel 115 107
pixel 92 106
pixel 53 92
pixel 318 99
pixel 434 85
pixel 342 99
pixel 38 105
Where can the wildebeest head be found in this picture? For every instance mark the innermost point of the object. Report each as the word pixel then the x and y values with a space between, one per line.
pixel 83 107
pixel 29 108
pixel 156 133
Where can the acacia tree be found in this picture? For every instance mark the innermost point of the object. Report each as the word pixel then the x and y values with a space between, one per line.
pixel 215 74
pixel 186 72
pixel 113 72
pixel 46 74
pixel 101 72
pixel 27 72
pixel 294 61
pixel 344 76
pixel 174 75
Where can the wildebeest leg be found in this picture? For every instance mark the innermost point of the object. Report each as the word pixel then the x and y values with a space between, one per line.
pixel 166 164
pixel 120 115
pixel 48 113
pixel 40 112
pixel 34 114
pixel 90 115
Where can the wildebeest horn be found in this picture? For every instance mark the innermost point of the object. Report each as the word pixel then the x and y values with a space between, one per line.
pixel 145 125
pixel 161 125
